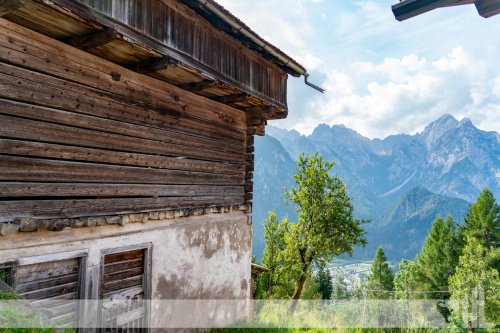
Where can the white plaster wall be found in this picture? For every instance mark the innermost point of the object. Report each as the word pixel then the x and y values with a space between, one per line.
pixel 198 257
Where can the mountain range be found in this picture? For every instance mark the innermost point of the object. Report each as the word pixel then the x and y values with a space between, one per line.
pixel 400 183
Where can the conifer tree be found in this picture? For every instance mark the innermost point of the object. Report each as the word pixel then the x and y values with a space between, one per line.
pixel 324 280
pixel 482 220
pixel 438 258
pixel 381 278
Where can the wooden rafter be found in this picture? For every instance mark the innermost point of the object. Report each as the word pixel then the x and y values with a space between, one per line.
pixel 200 86
pixel 94 40
pixel 155 65
pixel 231 99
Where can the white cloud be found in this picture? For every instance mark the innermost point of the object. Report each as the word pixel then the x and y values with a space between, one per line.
pixel 403 95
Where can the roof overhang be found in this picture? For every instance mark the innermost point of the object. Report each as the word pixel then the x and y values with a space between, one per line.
pixel 257 269
pixel 410 8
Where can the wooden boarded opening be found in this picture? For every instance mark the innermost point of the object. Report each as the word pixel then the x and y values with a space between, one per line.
pixel 53 288
pixel 124 289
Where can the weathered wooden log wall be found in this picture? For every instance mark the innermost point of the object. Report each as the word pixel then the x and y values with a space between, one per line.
pixel 81 136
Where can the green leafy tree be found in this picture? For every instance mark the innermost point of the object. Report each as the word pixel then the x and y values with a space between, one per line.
pixel 438 258
pixel 381 278
pixel 405 279
pixel 326 225
pixel 472 277
pixel 324 279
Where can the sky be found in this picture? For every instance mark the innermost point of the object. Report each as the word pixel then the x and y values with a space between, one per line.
pixel 382 76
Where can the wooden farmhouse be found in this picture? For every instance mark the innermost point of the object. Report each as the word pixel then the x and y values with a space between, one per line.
pixel 126 147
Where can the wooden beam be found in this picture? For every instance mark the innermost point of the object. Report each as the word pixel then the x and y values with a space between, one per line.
pixel 256 115
pixel 94 40
pixel 488 8
pixel 261 109
pixel 411 8
pixel 154 65
pixel 200 86
pixel 231 99
pixel 7 6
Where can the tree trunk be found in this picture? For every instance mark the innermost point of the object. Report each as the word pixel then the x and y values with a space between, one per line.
pixel 297 293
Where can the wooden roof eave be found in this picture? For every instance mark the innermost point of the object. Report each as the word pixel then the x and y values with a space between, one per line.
pixel 157 46
pixel 112 29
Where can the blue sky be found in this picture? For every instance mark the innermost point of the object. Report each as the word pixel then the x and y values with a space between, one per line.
pixel 382 76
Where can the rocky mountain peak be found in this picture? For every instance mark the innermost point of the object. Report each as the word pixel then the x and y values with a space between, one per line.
pixel 438 128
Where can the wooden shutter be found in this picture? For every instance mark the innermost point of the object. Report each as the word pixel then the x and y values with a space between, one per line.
pixel 123 278
pixel 51 286
pixel 123 275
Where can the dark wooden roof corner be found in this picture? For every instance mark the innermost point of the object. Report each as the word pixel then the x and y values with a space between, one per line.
pixel 410 8
pixel 7 6
pixel 488 8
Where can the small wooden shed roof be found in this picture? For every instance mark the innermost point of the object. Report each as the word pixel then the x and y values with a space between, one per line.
pixel 410 8
pixel 257 269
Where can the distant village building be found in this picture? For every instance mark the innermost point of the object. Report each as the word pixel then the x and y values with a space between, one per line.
pixel 127 139
pixel 406 9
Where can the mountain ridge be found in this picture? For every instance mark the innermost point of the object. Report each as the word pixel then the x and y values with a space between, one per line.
pixel 449 158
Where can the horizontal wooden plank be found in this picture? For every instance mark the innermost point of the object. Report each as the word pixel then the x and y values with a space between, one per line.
pixel 13 168
pixel 48 209
pixel 121 284
pixel 46 283
pixel 25 279
pixel 84 154
pixel 23 85
pixel 31 129
pixel 124 274
pixel 47 259
pixel 28 273
pixel 116 267
pixel 54 300
pixel 123 256
pixel 135 84
pixel 51 291
pixel 31 54
pixel 30 189
pixel 19 50
pixel 185 141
